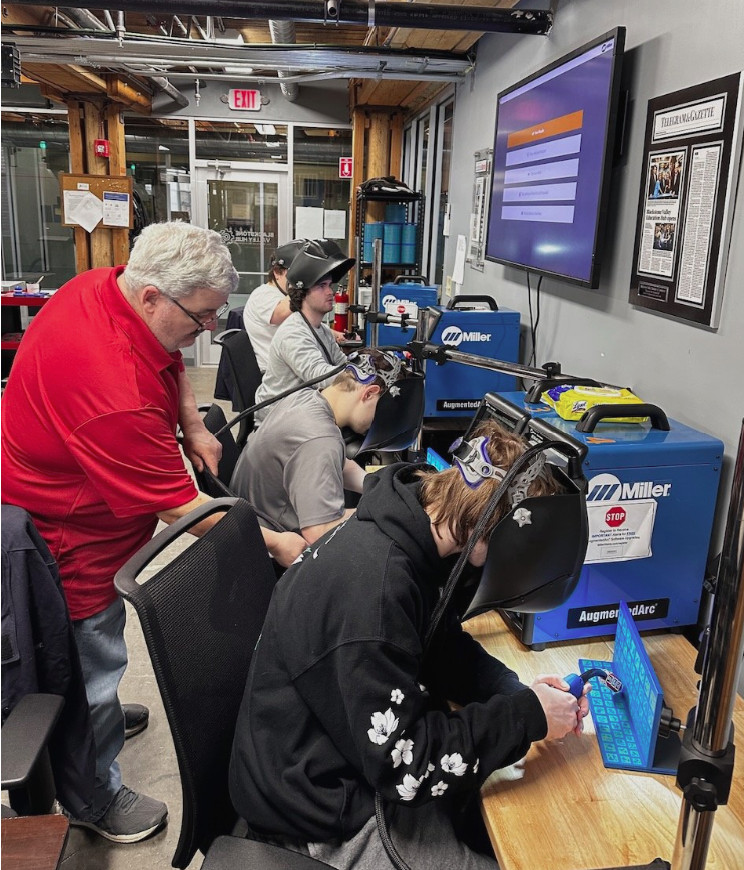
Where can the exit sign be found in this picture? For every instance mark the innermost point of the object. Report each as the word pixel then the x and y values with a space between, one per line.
pixel 345 167
pixel 242 100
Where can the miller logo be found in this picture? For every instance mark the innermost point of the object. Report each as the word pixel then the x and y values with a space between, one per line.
pixel 455 336
pixel 607 487
pixel 389 300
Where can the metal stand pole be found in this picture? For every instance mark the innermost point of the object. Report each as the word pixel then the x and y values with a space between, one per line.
pixel 374 304
pixel 707 762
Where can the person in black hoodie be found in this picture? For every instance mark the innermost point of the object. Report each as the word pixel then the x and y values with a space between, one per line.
pixel 341 702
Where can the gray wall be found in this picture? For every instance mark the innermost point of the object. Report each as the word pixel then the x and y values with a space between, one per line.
pixel 696 375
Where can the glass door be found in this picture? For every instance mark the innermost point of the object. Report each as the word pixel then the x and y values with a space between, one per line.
pixel 249 209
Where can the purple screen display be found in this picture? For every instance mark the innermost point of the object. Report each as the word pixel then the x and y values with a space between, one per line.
pixel 548 160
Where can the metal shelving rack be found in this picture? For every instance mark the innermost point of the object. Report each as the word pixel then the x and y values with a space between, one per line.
pixel 414 203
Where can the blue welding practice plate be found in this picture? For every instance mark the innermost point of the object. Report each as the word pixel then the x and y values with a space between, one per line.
pixel 627 722
pixel 433 458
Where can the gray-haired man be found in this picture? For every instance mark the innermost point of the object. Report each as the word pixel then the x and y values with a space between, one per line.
pixel 89 450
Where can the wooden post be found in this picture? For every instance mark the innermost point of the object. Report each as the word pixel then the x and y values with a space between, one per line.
pixel 359 125
pixel 101 251
pixel 117 165
pixel 396 145
pixel 378 157
pixel 77 165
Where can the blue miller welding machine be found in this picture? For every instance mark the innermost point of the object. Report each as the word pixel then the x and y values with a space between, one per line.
pixel 454 389
pixel 651 497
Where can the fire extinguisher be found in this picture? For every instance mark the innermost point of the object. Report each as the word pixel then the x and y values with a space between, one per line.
pixel 341 310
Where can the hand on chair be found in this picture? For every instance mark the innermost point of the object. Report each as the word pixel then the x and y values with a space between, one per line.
pixel 202 448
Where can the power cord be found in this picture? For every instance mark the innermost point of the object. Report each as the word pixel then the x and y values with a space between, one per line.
pixel 282 395
pixel 534 319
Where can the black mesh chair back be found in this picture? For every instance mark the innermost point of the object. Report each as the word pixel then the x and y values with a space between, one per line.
pixel 218 487
pixel 201 617
pixel 246 375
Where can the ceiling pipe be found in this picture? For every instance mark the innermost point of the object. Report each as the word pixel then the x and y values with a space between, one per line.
pixel 366 13
pixel 88 21
pixel 283 33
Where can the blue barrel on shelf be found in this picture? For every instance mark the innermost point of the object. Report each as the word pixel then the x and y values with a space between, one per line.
pixel 372 231
pixel 395 213
pixel 391 243
pixel 408 243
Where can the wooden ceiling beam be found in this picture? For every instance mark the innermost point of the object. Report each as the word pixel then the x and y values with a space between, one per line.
pixel 120 92
pixel 51 93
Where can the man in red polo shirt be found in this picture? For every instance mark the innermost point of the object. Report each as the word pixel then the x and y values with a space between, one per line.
pixel 89 449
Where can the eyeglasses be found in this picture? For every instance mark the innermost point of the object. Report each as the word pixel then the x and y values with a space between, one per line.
pixel 202 324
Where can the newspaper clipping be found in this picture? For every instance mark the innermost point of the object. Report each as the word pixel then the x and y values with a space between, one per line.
pixel 693 140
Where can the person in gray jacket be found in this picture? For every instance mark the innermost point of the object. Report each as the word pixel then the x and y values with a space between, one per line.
pixel 303 347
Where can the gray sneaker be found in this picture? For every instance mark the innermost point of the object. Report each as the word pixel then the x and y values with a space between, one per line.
pixel 130 818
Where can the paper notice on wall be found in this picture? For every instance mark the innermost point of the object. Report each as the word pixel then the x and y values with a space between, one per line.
pixel 334 224
pixel 458 273
pixel 115 209
pixel 308 222
pixel 620 531
pixel 84 208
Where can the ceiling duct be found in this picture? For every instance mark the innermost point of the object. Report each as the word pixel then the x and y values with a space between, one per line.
pixel 365 13
pixel 88 21
pixel 283 33
pixel 142 56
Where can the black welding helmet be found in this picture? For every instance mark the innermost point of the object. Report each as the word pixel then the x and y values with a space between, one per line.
pixel 314 261
pixel 400 408
pixel 536 550
pixel 285 254
pixel 535 553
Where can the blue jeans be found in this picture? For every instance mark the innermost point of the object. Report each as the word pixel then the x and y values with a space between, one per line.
pixel 103 656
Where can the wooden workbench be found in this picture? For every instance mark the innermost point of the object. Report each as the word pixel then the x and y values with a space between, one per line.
pixel 563 810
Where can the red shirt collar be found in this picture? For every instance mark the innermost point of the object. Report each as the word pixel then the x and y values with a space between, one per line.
pixel 137 330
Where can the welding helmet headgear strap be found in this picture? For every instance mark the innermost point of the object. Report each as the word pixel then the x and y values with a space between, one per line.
pixel 474 464
pixel 367 369
pixel 509 477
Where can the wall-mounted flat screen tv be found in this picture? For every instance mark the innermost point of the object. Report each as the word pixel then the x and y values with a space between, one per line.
pixel 552 156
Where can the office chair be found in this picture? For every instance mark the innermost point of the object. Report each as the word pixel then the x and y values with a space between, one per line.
pixel 246 375
pixel 201 616
pixel 48 748
pixel 219 486
pixel 27 769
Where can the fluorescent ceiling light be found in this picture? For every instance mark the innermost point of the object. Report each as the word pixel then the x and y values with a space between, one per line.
pixel 239 70
pixel 265 129
pixel 163 148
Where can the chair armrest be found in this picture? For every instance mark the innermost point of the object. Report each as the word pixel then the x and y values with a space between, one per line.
pixel 25 734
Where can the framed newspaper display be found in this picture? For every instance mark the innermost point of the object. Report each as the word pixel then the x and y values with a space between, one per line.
pixel 691 158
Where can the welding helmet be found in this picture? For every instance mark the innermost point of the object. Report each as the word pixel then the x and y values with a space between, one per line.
pixel 536 550
pixel 400 408
pixel 285 254
pixel 314 261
